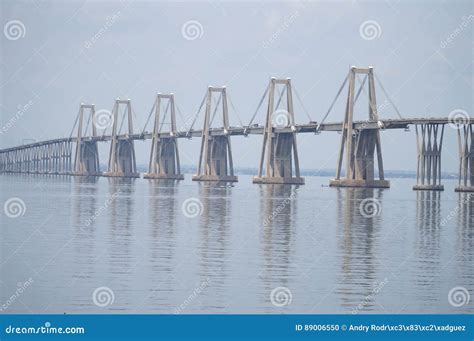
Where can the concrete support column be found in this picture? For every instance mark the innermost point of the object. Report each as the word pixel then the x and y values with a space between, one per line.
pixel 36 160
pixel 122 162
pixel 164 155
pixel 359 146
pixel 86 161
pixel 215 158
pixel 429 141
pixel 466 158
pixel 279 139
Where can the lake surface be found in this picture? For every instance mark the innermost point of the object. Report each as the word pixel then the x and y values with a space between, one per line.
pixel 100 245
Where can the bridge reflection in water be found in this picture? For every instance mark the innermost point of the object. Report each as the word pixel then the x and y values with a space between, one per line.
pixel 351 250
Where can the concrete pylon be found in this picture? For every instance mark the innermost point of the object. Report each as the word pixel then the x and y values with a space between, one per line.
pixel 429 144
pixel 86 161
pixel 279 140
pixel 215 158
pixel 466 158
pixel 164 156
pixel 358 145
pixel 122 162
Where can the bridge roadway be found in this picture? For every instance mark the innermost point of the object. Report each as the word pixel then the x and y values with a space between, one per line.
pixel 256 129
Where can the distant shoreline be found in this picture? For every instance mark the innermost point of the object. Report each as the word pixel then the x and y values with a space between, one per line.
pixel 396 174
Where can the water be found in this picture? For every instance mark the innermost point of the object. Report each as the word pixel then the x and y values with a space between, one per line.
pixel 133 237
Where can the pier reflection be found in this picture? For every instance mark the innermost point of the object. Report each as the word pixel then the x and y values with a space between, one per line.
pixel 161 243
pixel 84 206
pixel 465 236
pixel 84 203
pixel 428 249
pixel 120 201
pixel 466 222
pixel 162 208
pixel 359 214
pixel 428 246
pixel 276 230
pixel 214 237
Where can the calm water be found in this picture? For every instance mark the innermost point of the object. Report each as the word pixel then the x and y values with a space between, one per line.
pixel 141 240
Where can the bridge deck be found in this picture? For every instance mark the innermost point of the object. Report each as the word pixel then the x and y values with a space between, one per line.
pixel 255 129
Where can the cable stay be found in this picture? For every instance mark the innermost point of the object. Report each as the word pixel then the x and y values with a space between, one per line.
pixel 75 123
pixel 197 114
pixel 164 115
pixel 298 98
pixel 258 107
pixel 333 102
pixel 113 110
pixel 216 107
pixel 149 116
pixel 388 97
pixel 234 110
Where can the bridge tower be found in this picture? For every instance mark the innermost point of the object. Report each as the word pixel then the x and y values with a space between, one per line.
pixel 122 162
pixel 358 145
pixel 86 160
pixel 279 140
pixel 466 158
pixel 164 156
pixel 429 144
pixel 215 158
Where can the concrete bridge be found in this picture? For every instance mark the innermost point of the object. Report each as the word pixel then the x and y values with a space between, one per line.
pixel 359 151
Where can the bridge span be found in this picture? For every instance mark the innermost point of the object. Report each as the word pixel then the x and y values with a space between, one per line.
pixel 359 151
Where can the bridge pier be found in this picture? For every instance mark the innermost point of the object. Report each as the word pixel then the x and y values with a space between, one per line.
pixel 215 158
pixel 429 144
pixel 86 161
pixel 466 158
pixel 36 160
pixel 360 145
pixel 66 158
pixel 53 158
pixel 279 147
pixel 122 162
pixel 164 156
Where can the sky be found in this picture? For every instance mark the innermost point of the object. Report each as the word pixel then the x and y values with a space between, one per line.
pixel 55 55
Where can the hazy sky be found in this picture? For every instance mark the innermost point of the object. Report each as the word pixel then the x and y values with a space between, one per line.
pixel 95 51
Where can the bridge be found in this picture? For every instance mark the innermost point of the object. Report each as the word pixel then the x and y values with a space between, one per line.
pixel 359 151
